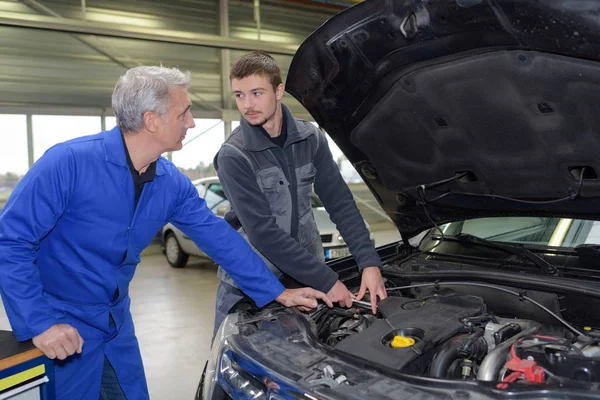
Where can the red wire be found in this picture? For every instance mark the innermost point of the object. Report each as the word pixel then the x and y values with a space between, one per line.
pixel 513 353
pixel 512 377
pixel 546 337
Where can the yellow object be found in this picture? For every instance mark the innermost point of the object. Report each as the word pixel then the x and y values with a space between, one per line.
pixel 587 328
pixel 21 377
pixel 402 341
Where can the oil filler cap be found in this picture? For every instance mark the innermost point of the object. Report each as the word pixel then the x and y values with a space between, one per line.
pixel 402 341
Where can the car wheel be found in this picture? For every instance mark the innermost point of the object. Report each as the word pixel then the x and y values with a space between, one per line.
pixel 176 257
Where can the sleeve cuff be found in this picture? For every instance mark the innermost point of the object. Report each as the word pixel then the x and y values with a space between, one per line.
pixel 269 297
pixel 370 262
pixel 35 330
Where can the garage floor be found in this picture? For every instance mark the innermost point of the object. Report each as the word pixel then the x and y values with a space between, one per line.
pixel 173 311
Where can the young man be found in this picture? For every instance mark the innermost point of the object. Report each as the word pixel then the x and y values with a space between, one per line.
pixel 73 229
pixel 267 168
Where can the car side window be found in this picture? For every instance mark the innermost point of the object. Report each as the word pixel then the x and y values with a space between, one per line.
pixel 201 188
pixel 215 198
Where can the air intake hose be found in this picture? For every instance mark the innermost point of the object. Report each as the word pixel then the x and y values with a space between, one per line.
pixel 473 346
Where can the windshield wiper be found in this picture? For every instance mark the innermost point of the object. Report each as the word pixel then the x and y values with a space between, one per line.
pixel 587 250
pixel 508 248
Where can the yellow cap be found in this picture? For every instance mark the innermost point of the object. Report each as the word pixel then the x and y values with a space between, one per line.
pixel 402 341
pixel 587 328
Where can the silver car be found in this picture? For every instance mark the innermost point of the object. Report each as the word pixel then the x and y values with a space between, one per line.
pixel 178 246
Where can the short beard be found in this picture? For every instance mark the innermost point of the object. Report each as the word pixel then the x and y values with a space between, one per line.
pixel 258 124
pixel 264 121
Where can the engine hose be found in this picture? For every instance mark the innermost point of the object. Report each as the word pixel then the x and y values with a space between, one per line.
pixel 473 346
pixel 467 347
pixel 331 312
pixel 493 362
pixel 442 360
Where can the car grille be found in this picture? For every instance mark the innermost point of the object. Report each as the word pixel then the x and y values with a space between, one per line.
pixel 326 238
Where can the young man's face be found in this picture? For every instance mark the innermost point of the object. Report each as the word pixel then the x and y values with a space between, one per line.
pixel 256 99
pixel 178 120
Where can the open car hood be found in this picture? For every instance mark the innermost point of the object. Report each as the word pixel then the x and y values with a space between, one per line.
pixel 491 98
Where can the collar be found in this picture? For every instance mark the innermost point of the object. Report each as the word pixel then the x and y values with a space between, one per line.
pixel 254 140
pixel 147 175
pixel 115 151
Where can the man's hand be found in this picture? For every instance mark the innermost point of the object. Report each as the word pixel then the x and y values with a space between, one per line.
pixel 340 294
pixel 372 281
pixel 305 298
pixel 59 341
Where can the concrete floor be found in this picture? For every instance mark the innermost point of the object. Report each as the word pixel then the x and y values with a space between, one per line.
pixel 173 311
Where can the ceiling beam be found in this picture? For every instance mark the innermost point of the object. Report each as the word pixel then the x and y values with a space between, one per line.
pixel 124 61
pixel 57 24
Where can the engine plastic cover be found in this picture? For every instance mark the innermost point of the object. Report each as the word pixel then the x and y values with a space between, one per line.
pixel 430 322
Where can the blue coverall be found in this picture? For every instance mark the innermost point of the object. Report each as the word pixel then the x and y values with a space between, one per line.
pixel 70 241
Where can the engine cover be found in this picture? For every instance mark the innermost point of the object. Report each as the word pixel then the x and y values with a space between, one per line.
pixel 429 322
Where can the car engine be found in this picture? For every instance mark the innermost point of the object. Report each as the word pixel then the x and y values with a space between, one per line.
pixel 452 335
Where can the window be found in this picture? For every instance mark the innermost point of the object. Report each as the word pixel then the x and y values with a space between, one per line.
pixel 49 130
pixel 201 189
pixel 561 232
pixel 200 146
pixel 215 199
pixel 315 202
pixel 110 122
pixel 13 153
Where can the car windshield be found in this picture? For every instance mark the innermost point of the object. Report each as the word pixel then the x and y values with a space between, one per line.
pixel 560 232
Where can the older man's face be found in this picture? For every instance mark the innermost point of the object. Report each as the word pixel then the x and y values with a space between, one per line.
pixel 177 121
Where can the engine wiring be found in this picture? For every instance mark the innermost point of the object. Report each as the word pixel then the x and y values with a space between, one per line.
pixel 485 285
pixel 514 376
pixel 546 340
pixel 421 191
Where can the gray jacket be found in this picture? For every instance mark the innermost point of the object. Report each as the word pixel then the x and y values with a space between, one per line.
pixel 269 189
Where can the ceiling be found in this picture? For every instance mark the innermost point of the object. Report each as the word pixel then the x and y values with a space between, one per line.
pixel 45 70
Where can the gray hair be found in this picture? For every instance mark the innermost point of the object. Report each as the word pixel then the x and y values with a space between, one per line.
pixel 144 89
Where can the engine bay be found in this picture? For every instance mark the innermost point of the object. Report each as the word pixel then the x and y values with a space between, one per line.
pixel 466 332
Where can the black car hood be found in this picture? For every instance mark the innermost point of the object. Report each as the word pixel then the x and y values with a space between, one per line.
pixel 492 98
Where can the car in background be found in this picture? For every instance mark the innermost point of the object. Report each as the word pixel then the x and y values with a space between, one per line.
pixel 177 246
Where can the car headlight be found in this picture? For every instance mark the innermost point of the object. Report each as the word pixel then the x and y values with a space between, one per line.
pixel 241 385
pixel 227 328
pixel 340 239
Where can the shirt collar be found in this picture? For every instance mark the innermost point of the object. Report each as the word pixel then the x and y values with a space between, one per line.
pixel 116 152
pixel 147 175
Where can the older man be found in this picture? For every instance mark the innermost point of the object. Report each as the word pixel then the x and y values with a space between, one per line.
pixel 72 232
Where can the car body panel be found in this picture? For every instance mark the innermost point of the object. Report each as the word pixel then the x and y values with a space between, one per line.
pixel 461 105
